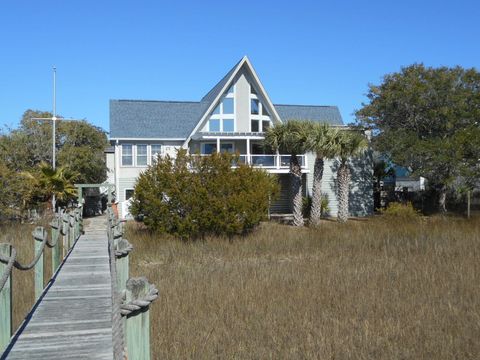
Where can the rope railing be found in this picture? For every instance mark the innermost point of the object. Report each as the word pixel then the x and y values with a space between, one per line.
pixel 8 261
pixel 131 298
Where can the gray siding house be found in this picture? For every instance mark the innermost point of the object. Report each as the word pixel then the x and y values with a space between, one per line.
pixel 231 117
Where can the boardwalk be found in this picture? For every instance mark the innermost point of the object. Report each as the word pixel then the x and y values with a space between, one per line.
pixel 74 318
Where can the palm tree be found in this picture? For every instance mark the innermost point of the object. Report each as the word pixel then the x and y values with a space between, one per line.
pixel 323 141
pixel 58 182
pixel 291 137
pixel 349 144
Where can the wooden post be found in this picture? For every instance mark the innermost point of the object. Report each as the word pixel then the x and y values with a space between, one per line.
pixel 5 302
pixel 55 232
pixel 65 232
pixel 122 265
pixel 468 204
pixel 38 235
pixel 138 323
pixel 71 229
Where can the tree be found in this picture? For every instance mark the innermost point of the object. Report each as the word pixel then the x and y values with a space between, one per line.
pixel 349 144
pixel 59 182
pixel 323 141
pixel 193 196
pixel 291 138
pixel 427 120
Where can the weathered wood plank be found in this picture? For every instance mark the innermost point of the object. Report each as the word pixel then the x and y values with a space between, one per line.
pixel 73 318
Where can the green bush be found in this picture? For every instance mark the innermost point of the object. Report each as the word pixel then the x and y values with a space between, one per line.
pixel 192 196
pixel 307 206
pixel 396 209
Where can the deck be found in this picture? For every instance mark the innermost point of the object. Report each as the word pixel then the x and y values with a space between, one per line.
pixel 73 317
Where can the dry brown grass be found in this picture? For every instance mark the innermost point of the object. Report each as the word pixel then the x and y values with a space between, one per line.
pixel 23 297
pixel 376 289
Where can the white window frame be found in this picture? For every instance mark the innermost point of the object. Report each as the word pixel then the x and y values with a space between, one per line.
pixel 221 116
pixel 132 155
pixel 125 192
pixel 152 153
pixel 146 155
pixel 202 146
pixel 260 117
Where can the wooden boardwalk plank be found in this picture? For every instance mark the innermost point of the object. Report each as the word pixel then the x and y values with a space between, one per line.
pixel 73 319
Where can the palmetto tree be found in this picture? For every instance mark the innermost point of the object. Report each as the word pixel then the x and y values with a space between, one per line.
pixel 58 182
pixel 349 144
pixel 291 137
pixel 323 142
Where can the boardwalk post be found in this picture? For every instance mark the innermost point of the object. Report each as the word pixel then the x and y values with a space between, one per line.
pixel 65 233
pixel 122 263
pixel 55 225
pixel 138 323
pixel 39 235
pixel 5 301
pixel 71 229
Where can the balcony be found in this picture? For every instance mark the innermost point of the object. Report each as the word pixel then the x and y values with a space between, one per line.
pixel 271 161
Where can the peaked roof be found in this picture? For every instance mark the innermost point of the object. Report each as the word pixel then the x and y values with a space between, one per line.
pixel 145 119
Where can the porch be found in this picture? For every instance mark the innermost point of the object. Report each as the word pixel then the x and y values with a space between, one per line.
pixel 249 147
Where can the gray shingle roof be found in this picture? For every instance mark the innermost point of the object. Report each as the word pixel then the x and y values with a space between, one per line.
pixel 325 114
pixel 177 119
pixel 152 119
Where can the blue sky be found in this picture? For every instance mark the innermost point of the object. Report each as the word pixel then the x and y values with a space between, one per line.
pixel 305 52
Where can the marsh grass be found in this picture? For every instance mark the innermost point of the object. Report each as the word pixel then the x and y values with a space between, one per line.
pixel 23 296
pixel 373 289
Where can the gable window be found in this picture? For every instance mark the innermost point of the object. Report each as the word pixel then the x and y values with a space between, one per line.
pixel 222 118
pixel 142 157
pixel 156 152
pixel 214 125
pixel 254 106
pixel 254 124
pixel 127 155
pixel 228 125
pixel 259 116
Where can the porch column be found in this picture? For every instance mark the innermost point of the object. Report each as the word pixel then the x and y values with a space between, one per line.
pixel 247 160
pixel 277 159
pixel 218 145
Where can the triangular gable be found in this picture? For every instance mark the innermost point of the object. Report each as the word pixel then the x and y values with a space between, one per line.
pixel 214 96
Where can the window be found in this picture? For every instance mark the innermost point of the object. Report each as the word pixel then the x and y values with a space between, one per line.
pixel 209 148
pixel 226 148
pixel 252 90
pixel 264 111
pixel 265 125
pixel 128 193
pixel 254 106
pixel 127 155
pixel 156 152
pixel 228 125
pixel 255 126
pixel 230 90
pixel 228 106
pixel 142 155
pixel 217 110
pixel 214 125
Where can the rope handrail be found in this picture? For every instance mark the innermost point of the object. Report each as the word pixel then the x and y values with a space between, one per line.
pixel 39 234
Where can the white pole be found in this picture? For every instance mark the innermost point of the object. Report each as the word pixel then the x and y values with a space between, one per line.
pixel 54 118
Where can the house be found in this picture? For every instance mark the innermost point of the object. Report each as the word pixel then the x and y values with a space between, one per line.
pixel 231 117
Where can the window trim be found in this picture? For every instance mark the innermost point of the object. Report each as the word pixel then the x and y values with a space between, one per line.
pixel 132 155
pixel 259 117
pixel 203 143
pixel 125 193
pixel 146 155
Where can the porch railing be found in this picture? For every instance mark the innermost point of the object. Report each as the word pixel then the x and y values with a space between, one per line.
pixel 271 161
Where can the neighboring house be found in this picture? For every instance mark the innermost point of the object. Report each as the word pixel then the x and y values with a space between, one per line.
pixel 231 117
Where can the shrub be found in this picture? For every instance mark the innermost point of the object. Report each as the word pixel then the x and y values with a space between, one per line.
pixel 307 206
pixel 397 209
pixel 192 196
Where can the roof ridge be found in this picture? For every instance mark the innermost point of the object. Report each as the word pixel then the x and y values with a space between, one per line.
pixel 325 106
pixel 162 101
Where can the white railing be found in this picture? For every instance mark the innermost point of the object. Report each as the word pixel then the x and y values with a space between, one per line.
pixel 271 161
